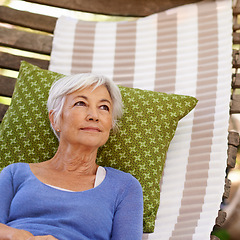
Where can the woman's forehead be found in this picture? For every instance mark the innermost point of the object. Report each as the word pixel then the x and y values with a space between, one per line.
pixel 100 92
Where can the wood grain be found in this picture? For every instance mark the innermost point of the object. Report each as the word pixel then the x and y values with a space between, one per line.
pixel 135 8
pixel 7 86
pixel 29 41
pixel 12 62
pixel 27 19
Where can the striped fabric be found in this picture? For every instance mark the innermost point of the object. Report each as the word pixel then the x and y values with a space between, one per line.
pixel 185 50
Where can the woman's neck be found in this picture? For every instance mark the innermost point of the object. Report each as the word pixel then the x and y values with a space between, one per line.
pixel 81 161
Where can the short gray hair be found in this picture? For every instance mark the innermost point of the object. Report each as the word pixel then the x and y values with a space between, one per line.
pixel 72 83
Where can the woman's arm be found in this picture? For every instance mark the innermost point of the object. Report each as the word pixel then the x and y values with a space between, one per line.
pixel 6 196
pixel 128 219
pixel 6 193
pixel 9 233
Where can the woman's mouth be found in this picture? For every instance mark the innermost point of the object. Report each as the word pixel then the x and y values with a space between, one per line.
pixel 90 129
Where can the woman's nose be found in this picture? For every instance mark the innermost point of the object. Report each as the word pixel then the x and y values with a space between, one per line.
pixel 92 115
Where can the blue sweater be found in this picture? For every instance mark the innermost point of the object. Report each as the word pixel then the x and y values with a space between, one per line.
pixel 113 210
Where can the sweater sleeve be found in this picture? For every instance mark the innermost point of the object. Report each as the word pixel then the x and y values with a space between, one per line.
pixel 128 218
pixel 6 193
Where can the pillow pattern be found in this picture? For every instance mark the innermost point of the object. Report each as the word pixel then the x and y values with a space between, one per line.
pixel 146 129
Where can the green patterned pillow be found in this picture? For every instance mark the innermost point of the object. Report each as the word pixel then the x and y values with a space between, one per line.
pixel 146 129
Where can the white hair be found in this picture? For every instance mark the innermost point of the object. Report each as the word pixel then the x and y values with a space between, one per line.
pixel 72 83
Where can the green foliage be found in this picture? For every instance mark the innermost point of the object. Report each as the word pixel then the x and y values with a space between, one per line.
pixel 222 234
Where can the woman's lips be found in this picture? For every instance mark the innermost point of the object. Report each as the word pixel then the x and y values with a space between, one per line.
pixel 91 129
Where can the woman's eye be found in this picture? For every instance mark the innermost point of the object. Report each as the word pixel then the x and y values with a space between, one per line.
pixel 104 107
pixel 80 103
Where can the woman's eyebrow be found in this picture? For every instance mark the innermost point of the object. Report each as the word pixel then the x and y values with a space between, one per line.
pixel 106 100
pixel 81 96
pixel 86 98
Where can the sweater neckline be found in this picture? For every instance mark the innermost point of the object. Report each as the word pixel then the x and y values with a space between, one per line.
pixel 67 190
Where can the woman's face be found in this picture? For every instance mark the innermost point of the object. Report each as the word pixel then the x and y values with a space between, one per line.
pixel 87 117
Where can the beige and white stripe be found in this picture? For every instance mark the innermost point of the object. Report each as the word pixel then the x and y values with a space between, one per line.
pixel 185 50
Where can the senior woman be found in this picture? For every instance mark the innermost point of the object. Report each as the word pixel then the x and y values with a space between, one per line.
pixel 70 197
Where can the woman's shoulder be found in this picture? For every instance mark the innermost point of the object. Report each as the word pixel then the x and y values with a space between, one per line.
pixel 121 177
pixel 118 173
pixel 123 184
pixel 15 173
pixel 15 168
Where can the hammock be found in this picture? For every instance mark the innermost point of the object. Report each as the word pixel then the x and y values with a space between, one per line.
pixel 184 50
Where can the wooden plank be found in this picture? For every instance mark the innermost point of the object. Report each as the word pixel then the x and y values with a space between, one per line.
pixel 136 8
pixel 27 19
pixel 232 155
pixel 29 41
pixel 233 143
pixel 235 104
pixel 236 27
pixel 235 58
pixel 233 138
pixel 236 10
pixel 236 37
pixel 236 81
pixel 227 188
pixel 221 218
pixel 3 109
pixel 7 86
pixel 235 54
pixel 10 61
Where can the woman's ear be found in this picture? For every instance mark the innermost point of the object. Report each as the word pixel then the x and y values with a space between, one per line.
pixel 51 118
